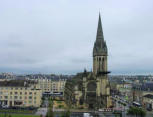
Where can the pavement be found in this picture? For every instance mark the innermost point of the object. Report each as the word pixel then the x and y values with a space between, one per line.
pixel 149 114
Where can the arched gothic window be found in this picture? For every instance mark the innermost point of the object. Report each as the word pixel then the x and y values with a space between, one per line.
pixel 91 86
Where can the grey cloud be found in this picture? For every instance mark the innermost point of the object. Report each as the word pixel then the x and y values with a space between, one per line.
pixel 58 36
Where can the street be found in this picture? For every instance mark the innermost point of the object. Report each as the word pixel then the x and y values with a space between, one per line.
pixel 124 109
pixel 82 114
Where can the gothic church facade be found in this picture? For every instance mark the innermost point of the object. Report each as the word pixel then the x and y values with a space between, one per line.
pixel 91 89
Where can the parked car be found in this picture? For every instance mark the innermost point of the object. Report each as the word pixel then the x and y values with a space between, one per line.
pixel 5 106
pixel 149 109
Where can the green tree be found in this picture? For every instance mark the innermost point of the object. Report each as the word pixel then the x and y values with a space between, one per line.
pixel 50 112
pixel 66 114
pixel 124 104
pixel 138 112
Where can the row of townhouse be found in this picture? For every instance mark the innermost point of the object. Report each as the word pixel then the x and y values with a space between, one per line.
pixel 52 86
pixel 20 93
pixel 29 92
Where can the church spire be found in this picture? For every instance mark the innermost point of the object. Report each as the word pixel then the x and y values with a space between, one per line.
pixel 100 30
pixel 100 47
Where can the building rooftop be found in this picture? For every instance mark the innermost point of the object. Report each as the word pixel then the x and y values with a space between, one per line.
pixel 16 83
pixel 149 96
pixel 144 86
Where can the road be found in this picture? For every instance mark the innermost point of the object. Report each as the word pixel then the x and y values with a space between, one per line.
pixel 119 105
pixel 82 114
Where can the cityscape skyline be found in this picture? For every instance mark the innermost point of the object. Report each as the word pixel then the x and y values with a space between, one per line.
pixel 47 39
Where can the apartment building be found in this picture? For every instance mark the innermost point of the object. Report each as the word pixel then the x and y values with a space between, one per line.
pixel 52 86
pixel 20 93
pixel 140 90
pixel 148 101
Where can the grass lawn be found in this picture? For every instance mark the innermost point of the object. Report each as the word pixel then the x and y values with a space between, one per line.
pixel 59 104
pixel 18 115
pixel 16 111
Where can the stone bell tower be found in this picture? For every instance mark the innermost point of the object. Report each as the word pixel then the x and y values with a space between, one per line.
pixel 100 54
pixel 99 51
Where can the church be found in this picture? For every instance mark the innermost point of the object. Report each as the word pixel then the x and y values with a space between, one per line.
pixel 91 90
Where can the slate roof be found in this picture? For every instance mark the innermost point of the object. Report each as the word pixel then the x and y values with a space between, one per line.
pixel 144 87
pixel 147 86
pixel 16 83
pixel 148 96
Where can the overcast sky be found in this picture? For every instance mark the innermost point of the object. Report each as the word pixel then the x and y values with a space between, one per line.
pixel 57 36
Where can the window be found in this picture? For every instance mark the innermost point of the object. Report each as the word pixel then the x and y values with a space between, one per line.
pixel 6 97
pixel 30 93
pixel 25 93
pixel 20 93
pixel 10 93
pixel 15 97
pixel 20 97
pixel 25 97
pixel 30 97
pixel 30 102
pixel 16 93
pixel 25 102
